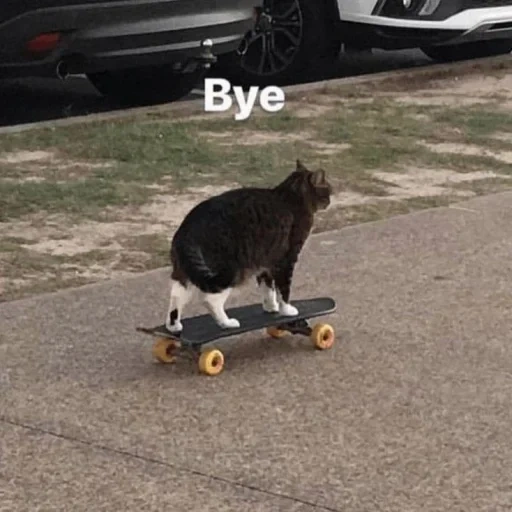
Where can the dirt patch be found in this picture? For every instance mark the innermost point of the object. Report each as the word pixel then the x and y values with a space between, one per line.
pixel 64 253
pixel 313 106
pixel 168 210
pixel 477 85
pixel 350 199
pixel 253 138
pixel 420 117
pixel 416 182
pixel 469 150
pixel 39 166
pixel 306 112
pixel 38 160
pixel 440 100
pixel 458 92
pixel 20 157
pixel 324 148
pixel 504 137
pixel 27 179
pixel 56 236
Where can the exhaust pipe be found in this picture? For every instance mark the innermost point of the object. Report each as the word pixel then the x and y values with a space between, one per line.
pixel 62 70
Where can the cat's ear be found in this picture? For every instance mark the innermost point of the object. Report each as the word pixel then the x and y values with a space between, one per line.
pixel 300 166
pixel 318 178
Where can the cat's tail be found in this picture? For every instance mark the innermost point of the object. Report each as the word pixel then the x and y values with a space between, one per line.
pixel 192 263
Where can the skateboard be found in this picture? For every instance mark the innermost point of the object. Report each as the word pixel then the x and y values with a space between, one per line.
pixel 202 329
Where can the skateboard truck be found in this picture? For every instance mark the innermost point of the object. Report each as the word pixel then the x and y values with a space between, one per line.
pixel 297 327
pixel 322 335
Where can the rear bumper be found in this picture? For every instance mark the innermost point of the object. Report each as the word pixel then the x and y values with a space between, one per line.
pixel 465 26
pixel 121 34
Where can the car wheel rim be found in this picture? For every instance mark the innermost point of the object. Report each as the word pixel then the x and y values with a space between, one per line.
pixel 273 43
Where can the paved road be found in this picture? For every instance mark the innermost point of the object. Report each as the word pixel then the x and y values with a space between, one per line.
pixel 410 411
pixel 28 101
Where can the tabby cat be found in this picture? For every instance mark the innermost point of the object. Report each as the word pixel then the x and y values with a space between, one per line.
pixel 240 234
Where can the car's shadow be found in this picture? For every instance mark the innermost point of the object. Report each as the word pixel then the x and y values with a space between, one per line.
pixel 33 100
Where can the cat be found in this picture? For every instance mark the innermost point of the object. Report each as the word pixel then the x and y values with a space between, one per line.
pixel 240 234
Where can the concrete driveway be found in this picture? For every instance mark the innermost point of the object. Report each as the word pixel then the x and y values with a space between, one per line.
pixel 410 411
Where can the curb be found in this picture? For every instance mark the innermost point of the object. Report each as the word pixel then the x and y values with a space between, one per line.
pixel 194 107
pixel 430 72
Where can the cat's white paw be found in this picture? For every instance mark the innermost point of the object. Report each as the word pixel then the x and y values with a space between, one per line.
pixel 176 327
pixel 270 306
pixel 288 310
pixel 230 323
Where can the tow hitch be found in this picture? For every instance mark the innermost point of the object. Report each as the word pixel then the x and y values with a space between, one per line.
pixel 204 60
pixel 207 58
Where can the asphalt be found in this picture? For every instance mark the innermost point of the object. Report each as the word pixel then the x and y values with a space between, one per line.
pixel 410 411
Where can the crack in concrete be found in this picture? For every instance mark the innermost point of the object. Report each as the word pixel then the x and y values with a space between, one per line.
pixel 151 460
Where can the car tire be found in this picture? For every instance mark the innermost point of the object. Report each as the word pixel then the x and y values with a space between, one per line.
pixel 305 44
pixel 466 51
pixel 145 85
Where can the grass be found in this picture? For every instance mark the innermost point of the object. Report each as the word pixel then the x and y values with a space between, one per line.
pixel 478 123
pixel 30 272
pixel 155 246
pixel 83 197
pixel 382 135
pixel 104 171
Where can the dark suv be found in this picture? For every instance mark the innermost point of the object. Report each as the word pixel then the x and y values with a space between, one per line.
pixel 132 50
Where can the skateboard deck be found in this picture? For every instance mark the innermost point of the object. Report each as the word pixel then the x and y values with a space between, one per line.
pixel 201 329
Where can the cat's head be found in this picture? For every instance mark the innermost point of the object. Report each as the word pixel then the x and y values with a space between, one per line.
pixel 312 185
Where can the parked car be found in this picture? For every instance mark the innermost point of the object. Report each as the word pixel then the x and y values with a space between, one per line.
pixel 296 38
pixel 131 50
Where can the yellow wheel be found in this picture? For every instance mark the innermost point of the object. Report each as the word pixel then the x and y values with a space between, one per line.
pixel 163 350
pixel 275 332
pixel 211 362
pixel 322 336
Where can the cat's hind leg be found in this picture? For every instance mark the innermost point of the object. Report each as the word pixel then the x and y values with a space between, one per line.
pixel 180 295
pixel 268 292
pixel 215 304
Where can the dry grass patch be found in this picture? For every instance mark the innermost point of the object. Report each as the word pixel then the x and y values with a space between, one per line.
pixel 469 150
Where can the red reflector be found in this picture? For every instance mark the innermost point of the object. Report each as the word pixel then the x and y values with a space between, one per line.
pixel 43 42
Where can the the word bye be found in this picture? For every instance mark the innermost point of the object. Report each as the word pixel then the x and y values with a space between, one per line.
pixel 271 98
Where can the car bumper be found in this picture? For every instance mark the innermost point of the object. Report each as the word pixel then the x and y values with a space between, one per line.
pixel 466 26
pixel 121 34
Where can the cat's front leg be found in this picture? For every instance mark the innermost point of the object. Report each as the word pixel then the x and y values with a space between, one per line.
pixel 283 280
pixel 287 309
pixel 215 304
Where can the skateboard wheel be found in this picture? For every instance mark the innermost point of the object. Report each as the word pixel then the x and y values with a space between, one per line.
pixel 162 351
pixel 211 362
pixel 274 332
pixel 322 336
